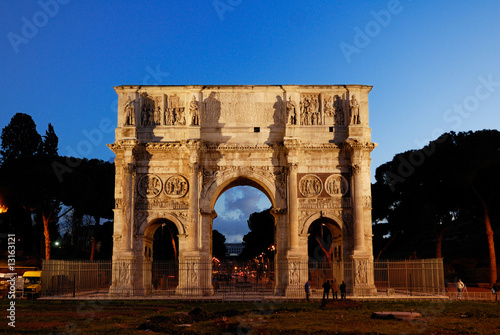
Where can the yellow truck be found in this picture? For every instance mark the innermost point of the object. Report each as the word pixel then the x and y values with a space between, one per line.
pixel 32 284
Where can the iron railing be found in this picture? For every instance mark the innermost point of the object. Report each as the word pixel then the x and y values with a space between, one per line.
pixel 240 281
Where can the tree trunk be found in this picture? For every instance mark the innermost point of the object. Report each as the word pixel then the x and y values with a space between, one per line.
pixel 92 249
pixel 491 246
pixel 94 238
pixel 491 241
pixel 46 233
pixel 173 244
pixel 439 246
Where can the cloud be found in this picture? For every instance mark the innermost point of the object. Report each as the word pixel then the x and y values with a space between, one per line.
pixel 234 208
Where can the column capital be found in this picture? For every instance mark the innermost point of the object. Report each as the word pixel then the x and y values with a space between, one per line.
pixel 356 169
pixel 211 213
pixel 194 167
pixel 129 168
pixel 293 167
pixel 278 211
pixel 356 145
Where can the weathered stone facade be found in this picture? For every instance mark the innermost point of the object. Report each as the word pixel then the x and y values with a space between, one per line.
pixel 178 148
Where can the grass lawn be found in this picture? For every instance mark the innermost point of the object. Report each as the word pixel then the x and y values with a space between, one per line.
pixel 174 317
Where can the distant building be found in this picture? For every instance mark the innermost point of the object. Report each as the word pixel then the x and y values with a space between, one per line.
pixel 233 249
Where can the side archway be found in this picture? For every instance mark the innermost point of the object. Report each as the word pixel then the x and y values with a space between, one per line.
pixel 325 250
pixel 161 274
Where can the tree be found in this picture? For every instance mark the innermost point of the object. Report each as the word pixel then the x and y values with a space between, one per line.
pixel 33 176
pixel 452 182
pixel 478 174
pixel 261 235
pixel 19 138
pixel 50 142
pixel 89 187
pixel 218 247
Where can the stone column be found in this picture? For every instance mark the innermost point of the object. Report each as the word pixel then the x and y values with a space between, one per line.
pixel 359 231
pixel 362 258
pixel 293 206
pixel 192 271
pixel 193 229
pixel 128 211
pixel 125 270
pixel 205 258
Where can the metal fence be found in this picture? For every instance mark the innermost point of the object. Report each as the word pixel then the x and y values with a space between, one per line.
pixel 411 277
pixel 241 281
pixel 72 278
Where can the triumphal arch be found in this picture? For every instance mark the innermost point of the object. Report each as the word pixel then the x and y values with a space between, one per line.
pixel 178 148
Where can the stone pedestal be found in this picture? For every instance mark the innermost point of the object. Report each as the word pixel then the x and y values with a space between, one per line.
pixel 123 277
pixel 363 284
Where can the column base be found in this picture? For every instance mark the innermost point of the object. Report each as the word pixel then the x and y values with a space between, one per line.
pixel 363 284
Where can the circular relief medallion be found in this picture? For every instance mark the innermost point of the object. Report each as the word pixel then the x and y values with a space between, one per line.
pixel 336 185
pixel 149 186
pixel 310 186
pixel 176 186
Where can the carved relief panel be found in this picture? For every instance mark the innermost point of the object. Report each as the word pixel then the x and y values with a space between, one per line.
pixel 176 186
pixel 149 110
pixel 310 186
pixel 336 185
pixel 309 110
pixel 174 113
pixel 149 186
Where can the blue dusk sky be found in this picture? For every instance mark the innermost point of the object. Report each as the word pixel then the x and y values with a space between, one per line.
pixel 434 65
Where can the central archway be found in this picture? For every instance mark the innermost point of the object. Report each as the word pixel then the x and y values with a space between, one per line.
pixel 255 269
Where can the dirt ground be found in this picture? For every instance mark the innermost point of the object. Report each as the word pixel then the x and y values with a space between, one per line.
pixel 267 317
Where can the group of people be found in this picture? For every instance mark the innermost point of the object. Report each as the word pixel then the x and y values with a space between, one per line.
pixel 327 286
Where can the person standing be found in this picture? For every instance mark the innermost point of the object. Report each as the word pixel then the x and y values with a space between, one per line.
pixel 335 289
pixel 306 288
pixel 460 288
pixel 496 287
pixel 342 290
pixel 326 289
